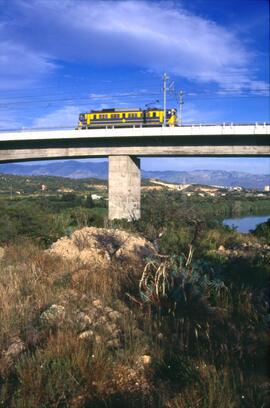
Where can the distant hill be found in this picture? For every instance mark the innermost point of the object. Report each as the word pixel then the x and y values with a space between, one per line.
pixel 20 184
pixel 77 170
pixel 212 178
pixel 71 168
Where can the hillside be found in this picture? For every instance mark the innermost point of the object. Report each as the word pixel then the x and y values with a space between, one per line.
pixel 78 170
pixel 51 184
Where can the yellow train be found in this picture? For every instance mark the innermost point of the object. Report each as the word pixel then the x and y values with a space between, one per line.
pixel 118 118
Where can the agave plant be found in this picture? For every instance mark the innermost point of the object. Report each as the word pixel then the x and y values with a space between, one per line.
pixel 181 287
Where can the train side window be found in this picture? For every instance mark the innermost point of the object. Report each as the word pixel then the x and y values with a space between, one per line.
pixel 154 115
pixel 124 115
pixel 94 116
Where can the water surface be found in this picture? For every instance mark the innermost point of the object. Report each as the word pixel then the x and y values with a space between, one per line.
pixel 245 224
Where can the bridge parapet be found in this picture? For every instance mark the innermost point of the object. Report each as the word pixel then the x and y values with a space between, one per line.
pixel 186 130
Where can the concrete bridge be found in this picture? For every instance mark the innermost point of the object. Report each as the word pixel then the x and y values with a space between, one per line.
pixel 124 146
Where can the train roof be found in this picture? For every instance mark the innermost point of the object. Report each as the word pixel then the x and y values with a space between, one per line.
pixel 126 110
pixel 117 110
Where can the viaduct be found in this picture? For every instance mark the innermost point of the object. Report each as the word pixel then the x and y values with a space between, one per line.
pixel 125 146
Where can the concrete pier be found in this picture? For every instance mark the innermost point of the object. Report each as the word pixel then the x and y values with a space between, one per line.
pixel 124 188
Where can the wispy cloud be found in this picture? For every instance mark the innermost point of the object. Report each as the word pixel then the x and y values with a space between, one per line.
pixel 150 35
pixel 9 123
pixel 193 114
pixel 66 117
pixel 20 65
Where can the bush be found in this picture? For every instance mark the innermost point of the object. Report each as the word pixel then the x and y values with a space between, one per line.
pixel 262 231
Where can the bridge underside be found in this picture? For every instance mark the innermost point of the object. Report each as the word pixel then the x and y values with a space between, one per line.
pixel 14 151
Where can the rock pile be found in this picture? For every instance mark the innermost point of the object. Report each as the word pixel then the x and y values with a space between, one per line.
pixel 96 322
pixel 244 250
pixel 100 246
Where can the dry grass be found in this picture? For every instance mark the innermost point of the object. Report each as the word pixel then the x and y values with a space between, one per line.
pixel 195 363
pixel 30 279
pixel 57 368
pixel 26 285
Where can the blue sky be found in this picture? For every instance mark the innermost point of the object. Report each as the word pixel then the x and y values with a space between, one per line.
pixel 61 57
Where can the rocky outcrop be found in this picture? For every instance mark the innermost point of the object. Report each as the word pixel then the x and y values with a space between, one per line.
pixel 96 322
pixel 92 245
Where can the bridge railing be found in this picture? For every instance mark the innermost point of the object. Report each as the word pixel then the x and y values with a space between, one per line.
pixel 193 125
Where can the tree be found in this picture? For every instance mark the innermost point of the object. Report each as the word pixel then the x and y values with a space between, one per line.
pixel 89 201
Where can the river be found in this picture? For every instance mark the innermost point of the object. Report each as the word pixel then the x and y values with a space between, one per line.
pixel 245 224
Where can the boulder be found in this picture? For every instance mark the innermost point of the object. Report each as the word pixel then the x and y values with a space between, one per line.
pixel 53 314
pixel 221 248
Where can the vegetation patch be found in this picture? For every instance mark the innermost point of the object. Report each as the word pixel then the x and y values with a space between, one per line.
pixel 170 311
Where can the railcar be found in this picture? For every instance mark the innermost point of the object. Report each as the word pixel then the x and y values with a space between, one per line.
pixel 119 118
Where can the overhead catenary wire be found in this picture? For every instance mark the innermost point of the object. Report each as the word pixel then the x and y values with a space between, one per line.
pixel 4 104
pixel 85 99
pixel 149 87
pixel 233 75
pixel 106 85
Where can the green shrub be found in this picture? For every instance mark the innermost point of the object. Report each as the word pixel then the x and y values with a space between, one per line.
pixel 262 231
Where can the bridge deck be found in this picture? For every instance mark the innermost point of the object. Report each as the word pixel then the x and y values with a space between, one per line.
pixel 193 130
pixel 211 140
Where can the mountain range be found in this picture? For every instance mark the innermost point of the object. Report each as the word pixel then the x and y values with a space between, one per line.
pixel 75 169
